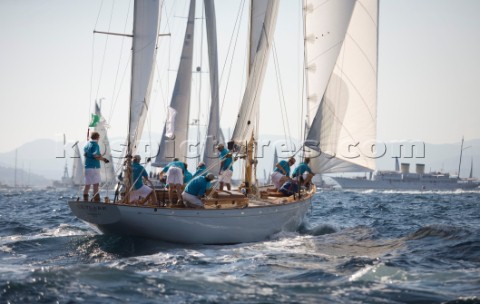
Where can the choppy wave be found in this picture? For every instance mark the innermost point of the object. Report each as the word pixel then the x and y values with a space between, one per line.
pixel 355 247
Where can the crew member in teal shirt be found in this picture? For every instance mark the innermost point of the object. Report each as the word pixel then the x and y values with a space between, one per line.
pixel 226 167
pixel 92 166
pixel 187 176
pixel 303 172
pixel 201 170
pixel 282 172
pixel 196 189
pixel 175 171
pixel 138 175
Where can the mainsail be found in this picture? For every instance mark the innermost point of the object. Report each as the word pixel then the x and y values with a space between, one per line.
pixel 145 35
pixel 177 145
pixel 214 132
pixel 341 66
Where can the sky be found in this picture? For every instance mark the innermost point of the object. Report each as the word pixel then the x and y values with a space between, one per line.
pixel 428 81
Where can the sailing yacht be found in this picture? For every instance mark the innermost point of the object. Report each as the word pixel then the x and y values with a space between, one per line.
pixel 78 175
pixel 333 31
pixel 107 172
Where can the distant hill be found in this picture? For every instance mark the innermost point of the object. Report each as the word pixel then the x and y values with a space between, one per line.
pixel 22 178
pixel 44 159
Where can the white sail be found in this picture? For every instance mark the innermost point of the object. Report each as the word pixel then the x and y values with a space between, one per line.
pixel 214 132
pixel 77 169
pixel 107 171
pixel 145 36
pixel 247 116
pixel 258 11
pixel 177 145
pixel 342 79
pixel 228 217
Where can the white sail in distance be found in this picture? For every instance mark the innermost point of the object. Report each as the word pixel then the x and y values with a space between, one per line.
pixel 145 36
pixel 342 84
pixel 177 145
pixel 107 172
pixel 78 176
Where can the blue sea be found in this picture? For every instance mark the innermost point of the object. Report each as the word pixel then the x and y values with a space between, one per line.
pixel 355 247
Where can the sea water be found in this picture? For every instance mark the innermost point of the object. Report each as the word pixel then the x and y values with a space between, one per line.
pixel 355 247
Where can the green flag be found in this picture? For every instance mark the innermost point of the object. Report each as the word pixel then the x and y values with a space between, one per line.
pixel 94 121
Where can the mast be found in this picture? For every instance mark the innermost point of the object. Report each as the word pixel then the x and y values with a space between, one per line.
pixel 15 170
pixel 146 20
pixel 471 169
pixel 263 21
pixel 460 161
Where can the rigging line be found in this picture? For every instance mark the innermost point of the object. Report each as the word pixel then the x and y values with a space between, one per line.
pixel 338 91
pixel 281 94
pixel 98 15
pixel 167 98
pixel 257 90
pixel 239 14
pixel 121 85
pixel 164 92
pixel 91 79
pixel 112 105
pixel 105 51
pixel 92 62
pixel 362 51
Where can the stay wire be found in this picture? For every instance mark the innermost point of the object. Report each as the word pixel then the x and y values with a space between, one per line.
pixel 286 130
pixel 237 29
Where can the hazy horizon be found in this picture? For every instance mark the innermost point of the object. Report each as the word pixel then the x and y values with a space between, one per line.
pixel 429 69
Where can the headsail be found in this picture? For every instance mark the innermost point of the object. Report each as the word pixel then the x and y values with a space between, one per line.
pixel 214 132
pixel 247 115
pixel 145 35
pixel 177 146
pixel 342 84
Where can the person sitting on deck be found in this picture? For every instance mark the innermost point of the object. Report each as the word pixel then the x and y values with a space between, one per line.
pixel 282 172
pixel 303 173
pixel 174 171
pixel 195 190
pixel 138 174
pixel 226 169
pixel 201 170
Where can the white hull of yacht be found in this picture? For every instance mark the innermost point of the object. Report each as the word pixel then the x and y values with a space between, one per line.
pixel 357 183
pixel 193 226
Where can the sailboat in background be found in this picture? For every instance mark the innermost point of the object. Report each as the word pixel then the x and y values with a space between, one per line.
pixel 251 213
pixel 107 171
pixel 78 174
